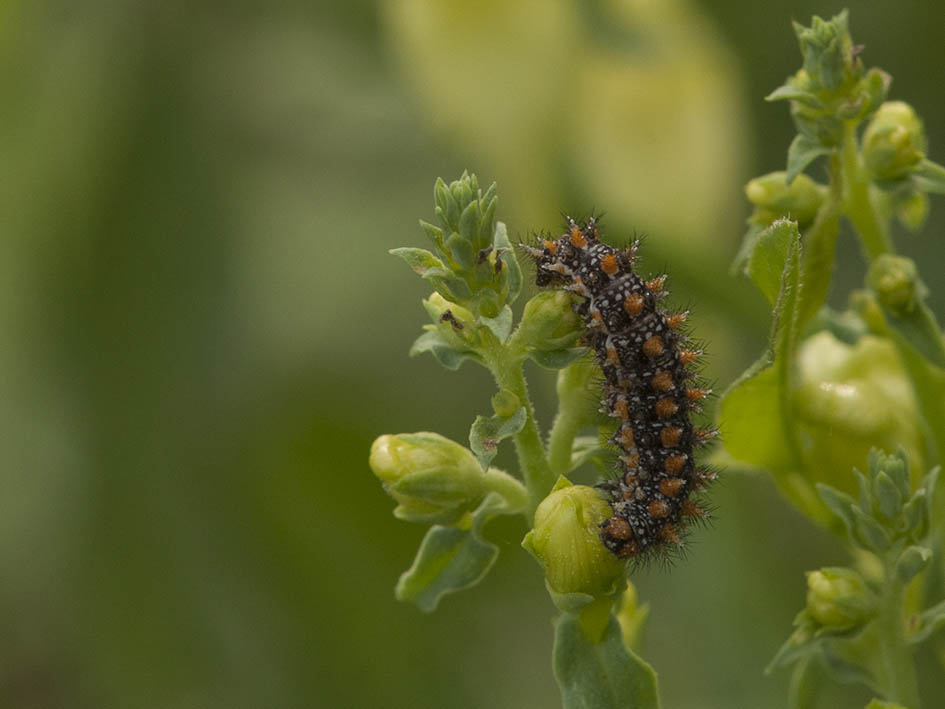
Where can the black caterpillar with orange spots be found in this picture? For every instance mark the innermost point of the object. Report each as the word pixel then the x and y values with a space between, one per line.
pixel 647 388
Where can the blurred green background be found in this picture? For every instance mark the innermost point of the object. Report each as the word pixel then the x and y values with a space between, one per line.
pixel 203 332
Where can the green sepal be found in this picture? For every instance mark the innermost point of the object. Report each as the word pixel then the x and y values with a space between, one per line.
pixel 790 92
pixel 487 432
pixel 915 515
pixel 500 325
pixel 930 620
pixel 911 561
pixel 600 675
pixel 451 559
pixel 870 533
pixel 801 153
pixel 504 250
pixel 445 353
pixel 557 359
pixel 929 177
pixel 887 494
pixel 420 260
pixel 840 503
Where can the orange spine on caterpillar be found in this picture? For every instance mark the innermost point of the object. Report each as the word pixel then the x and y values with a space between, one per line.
pixel 648 387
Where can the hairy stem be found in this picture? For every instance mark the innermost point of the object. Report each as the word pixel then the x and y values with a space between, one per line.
pixel 872 228
pixel 895 654
pixel 506 367
pixel 561 442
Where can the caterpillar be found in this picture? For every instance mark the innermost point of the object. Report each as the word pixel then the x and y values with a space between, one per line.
pixel 648 386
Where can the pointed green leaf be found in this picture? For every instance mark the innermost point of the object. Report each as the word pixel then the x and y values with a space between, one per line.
pixel 930 620
pixel 929 177
pixel 912 560
pixel 451 559
pixel 420 260
pixel 801 153
pixel 766 263
pixel 840 503
pixel 444 352
pixel 869 532
pixel 503 248
pixel 792 93
pixel 762 393
pixel 501 324
pixel 600 675
pixel 487 432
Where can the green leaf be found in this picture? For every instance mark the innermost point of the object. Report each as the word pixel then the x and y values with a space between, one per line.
pixel 500 325
pixel 446 354
pixel 805 681
pixel 887 494
pixel 420 260
pixel 912 560
pixel 929 177
pixel 486 432
pixel 762 393
pixel 557 359
pixel 931 620
pixel 840 503
pixel 600 675
pixel 801 153
pixel 451 559
pixel 869 532
pixel 792 93
pixel 502 246
pixel 767 259
pixel 469 222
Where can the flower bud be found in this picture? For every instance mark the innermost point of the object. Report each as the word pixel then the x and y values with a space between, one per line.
pixel 894 141
pixel 434 479
pixel 549 322
pixel 773 197
pixel 849 399
pixel 454 322
pixel 838 598
pixel 895 281
pixel 827 48
pixel 566 542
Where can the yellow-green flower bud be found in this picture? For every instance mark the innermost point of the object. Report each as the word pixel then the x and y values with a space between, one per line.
pixel 894 141
pixel 849 399
pixel 895 281
pixel 434 479
pixel 774 198
pixel 505 403
pixel 454 322
pixel 838 598
pixel 549 322
pixel 566 542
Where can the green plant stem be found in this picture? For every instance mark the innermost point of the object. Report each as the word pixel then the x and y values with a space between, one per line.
pixel 819 247
pixel 895 654
pixel 506 366
pixel 561 442
pixel 873 230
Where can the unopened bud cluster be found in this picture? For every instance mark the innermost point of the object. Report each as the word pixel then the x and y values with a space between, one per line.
pixel 890 518
pixel 833 86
